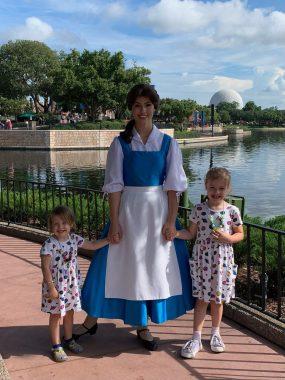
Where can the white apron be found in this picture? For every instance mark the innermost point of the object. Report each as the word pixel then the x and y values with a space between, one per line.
pixel 143 266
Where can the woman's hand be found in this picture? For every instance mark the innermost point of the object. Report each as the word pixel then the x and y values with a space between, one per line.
pixel 169 231
pixel 221 236
pixel 115 233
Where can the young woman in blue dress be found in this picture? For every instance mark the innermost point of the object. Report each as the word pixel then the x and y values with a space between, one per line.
pixel 144 274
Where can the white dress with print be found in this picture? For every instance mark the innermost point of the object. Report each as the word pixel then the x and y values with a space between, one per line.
pixel 65 275
pixel 212 266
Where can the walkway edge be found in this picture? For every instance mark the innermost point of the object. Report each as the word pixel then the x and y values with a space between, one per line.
pixel 261 324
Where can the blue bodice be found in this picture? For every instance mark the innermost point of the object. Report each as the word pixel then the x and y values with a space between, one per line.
pixel 141 168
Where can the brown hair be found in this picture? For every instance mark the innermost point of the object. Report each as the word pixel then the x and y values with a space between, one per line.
pixel 218 173
pixel 63 212
pixel 142 89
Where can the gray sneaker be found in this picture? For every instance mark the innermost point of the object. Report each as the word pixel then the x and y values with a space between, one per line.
pixel 191 348
pixel 59 355
pixel 217 344
pixel 73 346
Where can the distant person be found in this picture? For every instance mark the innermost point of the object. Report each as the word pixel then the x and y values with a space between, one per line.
pixel 8 124
pixel 2 125
pixel 62 279
pixel 216 225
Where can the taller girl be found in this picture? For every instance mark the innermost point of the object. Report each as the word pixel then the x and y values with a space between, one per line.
pixel 216 225
pixel 141 275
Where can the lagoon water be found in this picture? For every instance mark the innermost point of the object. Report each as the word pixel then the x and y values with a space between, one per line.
pixel 257 164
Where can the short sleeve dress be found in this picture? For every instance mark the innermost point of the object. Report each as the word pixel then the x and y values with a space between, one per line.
pixel 65 275
pixel 212 265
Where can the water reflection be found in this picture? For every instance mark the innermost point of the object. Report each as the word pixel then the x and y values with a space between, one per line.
pixel 257 163
pixel 80 168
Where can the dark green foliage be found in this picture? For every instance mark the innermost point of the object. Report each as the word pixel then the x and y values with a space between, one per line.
pixel 20 125
pixel 31 205
pixel 272 263
pixel 186 134
pixel 97 125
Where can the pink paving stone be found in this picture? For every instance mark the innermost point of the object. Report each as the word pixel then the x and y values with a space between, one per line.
pixel 114 353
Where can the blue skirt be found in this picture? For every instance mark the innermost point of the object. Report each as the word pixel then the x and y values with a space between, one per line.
pixel 135 313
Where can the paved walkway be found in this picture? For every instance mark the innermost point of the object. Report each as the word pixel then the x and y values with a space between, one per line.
pixel 114 353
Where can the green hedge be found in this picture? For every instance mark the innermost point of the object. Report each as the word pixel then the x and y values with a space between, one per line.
pixel 85 125
pixel 31 207
pixel 186 134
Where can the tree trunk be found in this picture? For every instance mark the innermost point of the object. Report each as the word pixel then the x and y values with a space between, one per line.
pixel 38 106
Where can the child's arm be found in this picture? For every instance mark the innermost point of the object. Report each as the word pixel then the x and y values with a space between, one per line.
pixel 95 244
pixel 45 266
pixel 224 237
pixel 189 233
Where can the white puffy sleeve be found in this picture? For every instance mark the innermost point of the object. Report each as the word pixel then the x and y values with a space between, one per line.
pixel 175 176
pixel 114 168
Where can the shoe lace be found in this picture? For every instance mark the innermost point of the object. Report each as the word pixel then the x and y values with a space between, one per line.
pixel 191 344
pixel 217 341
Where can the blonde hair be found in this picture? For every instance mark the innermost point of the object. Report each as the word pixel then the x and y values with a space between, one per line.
pixel 63 212
pixel 219 173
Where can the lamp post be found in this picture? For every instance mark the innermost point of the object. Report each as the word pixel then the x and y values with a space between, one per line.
pixel 212 118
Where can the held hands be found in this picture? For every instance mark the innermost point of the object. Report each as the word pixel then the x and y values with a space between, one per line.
pixel 169 231
pixel 115 233
pixel 52 293
pixel 221 236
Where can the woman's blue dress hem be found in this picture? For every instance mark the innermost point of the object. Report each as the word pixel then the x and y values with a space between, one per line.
pixel 135 313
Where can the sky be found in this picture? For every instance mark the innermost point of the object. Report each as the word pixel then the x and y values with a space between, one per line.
pixel 193 48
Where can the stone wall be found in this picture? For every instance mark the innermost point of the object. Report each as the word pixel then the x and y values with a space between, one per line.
pixel 25 139
pixel 48 140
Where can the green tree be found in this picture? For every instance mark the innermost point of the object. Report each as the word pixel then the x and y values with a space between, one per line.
pixel 26 69
pixel 251 106
pixel 177 111
pixel 10 107
pixel 225 117
pixel 98 80
pixel 224 106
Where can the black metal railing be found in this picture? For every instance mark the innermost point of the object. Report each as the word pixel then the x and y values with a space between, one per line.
pixel 28 203
pixel 261 276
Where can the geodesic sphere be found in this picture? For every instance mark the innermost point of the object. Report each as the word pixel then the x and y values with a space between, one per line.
pixel 228 96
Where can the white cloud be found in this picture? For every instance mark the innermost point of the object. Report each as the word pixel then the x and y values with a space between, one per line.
pixel 216 24
pixel 225 83
pixel 33 29
pixel 277 81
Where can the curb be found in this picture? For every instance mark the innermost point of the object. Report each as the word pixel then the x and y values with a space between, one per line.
pixel 261 324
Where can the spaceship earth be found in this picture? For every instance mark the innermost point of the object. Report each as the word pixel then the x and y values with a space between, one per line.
pixel 228 96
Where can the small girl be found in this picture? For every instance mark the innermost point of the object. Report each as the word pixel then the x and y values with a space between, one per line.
pixel 61 278
pixel 216 225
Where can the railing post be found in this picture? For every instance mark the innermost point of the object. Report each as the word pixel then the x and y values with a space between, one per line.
pixel 279 276
pixel 264 277
pixel 248 251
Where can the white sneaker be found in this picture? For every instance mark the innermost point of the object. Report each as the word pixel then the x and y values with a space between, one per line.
pixel 191 348
pixel 217 344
